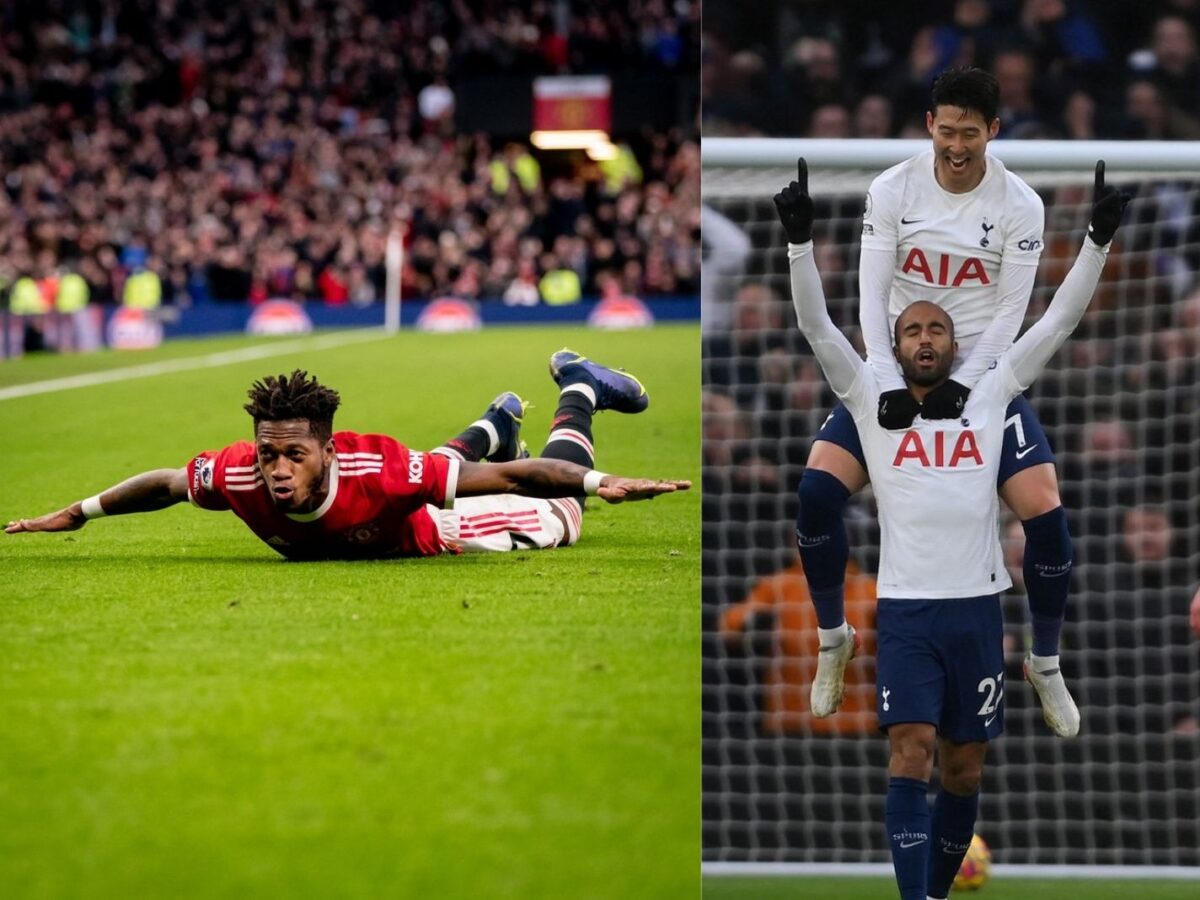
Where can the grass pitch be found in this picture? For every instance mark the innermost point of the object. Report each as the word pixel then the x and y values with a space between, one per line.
pixel 183 713
pixel 998 888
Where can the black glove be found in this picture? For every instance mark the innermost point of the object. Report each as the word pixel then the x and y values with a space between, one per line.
pixel 1108 205
pixel 946 401
pixel 796 207
pixel 897 409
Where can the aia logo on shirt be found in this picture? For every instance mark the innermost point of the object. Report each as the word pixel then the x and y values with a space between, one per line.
pixel 951 271
pixel 914 451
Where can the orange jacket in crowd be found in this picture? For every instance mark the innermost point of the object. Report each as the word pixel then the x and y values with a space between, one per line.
pixel 794 660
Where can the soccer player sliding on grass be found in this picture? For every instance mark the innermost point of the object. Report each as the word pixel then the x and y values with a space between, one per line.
pixel 311 493
pixel 940 663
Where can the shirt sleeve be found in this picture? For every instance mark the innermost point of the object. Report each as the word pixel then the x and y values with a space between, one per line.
pixel 1018 272
pixel 204 481
pixel 419 478
pixel 842 365
pixel 876 267
pixel 1030 354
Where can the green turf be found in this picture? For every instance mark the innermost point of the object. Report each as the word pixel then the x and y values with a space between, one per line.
pixel 816 888
pixel 184 714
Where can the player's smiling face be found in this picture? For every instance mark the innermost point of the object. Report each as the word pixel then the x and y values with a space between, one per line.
pixel 294 462
pixel 925 345
pixel 960 139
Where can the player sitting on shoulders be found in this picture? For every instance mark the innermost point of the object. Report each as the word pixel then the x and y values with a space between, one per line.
pixel 311 493
pixel 940 660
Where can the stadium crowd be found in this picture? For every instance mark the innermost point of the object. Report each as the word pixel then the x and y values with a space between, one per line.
pixel 1067 69
pixel 239 150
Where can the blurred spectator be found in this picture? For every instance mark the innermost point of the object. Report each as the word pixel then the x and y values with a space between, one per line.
pixel 831 120
pixel 241 150
pixel 776 624
pixel 1015 72
pixel 726 247
pixel 873 117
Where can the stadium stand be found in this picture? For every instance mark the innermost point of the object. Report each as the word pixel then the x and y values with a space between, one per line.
pixel 246 151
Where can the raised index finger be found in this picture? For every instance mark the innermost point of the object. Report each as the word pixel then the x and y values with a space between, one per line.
pixel 802 174
pixel 1099 177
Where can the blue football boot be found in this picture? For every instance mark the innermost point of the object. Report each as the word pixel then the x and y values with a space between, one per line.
pixel 507 412
pixel 615 389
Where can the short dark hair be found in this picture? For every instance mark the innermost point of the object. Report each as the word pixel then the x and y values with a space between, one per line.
pixel 972 89
pixel 295 396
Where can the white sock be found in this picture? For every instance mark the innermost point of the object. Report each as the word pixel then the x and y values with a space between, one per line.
pixel 833 637
pixel 1042 664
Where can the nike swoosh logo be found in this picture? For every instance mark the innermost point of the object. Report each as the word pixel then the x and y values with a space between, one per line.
pixel 987 722
pixel 904 846
pixel 910 221
pixel 1021 454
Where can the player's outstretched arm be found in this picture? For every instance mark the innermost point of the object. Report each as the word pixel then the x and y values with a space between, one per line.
pixel 557 478
pixel 1031 353
pixel 838 359
pixel 149 491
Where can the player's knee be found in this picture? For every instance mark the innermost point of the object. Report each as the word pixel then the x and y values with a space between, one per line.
pixel 822 497
pixel 1033 492
pixel 962 776
pixel 912 751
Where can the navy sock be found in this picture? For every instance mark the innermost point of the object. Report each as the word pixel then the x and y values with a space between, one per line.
pixel 907 818
pixel 952 827
pixel 824 548
pixel 1048 558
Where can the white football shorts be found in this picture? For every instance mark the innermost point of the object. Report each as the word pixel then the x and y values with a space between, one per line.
pixel 499 522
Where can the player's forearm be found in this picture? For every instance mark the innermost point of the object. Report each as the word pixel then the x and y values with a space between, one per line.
pixel 149 491
pixel 544 478
pixel 837 357
pixel 876 268
pixel 1013 290
pixel 1031 353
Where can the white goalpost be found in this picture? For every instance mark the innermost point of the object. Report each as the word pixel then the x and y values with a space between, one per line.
pixel 1121 406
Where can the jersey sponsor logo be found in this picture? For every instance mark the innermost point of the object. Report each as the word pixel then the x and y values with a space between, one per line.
pixel 971 269
pixel 1029 244
pixel 913 448
pixel 416 468
pixel 983 241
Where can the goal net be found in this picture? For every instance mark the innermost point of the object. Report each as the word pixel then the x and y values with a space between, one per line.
pixel 1121 406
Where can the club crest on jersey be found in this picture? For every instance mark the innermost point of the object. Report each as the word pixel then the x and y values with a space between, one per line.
pixel 914 451
pixel 971 269
pixel 983 241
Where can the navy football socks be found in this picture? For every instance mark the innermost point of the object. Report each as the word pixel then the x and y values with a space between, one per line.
pixel 1047 570
pixel 824 548
pixel 952 827
pixel 907 818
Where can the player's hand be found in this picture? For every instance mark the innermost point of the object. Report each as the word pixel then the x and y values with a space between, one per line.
pixel 795 207
pixel 1108 205
pixel 69 519
pixel 946 401
pixel 897 409
pixel 619 490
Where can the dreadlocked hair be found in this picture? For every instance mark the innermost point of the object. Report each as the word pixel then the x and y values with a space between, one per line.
pixel 294 396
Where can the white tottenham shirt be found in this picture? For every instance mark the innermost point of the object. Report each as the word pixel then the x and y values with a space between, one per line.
pixel 935 483
pixel 974 254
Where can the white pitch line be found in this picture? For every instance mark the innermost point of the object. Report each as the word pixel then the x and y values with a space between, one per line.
pixel 208 361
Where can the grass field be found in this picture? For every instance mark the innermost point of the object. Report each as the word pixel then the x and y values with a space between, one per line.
pixel 184 714
pixel 997 889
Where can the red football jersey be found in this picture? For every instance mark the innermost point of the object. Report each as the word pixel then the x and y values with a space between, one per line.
pixel 378 490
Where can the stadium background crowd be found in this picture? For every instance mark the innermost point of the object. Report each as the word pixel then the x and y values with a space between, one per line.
pixel 1120 404
pixel 236 150
pixel 1067 69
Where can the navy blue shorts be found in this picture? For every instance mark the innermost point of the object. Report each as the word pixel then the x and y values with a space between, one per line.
pixel 1025 443
pixel 942 662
